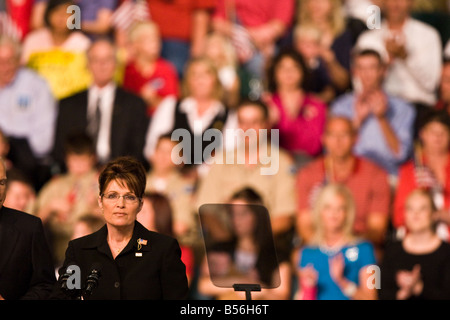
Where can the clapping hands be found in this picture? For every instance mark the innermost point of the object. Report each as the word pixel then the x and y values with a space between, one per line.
pixel 374 102
pixel 409 283
pixel 308 277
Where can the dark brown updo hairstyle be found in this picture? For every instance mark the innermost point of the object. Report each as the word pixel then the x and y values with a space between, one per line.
pixel 126 171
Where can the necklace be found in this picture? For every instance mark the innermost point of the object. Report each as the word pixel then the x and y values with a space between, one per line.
pixel 330 250
pixel 333 249
pixel 117 249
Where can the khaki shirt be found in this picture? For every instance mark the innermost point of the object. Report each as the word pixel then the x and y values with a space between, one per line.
pixel 277 190
pixel 81 193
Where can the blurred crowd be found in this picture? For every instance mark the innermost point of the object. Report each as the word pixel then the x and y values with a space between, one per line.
pixel 360 99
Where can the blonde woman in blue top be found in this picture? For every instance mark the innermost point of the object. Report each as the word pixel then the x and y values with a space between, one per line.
pixel 334 265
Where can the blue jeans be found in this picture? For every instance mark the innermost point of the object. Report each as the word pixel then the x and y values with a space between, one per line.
pixel 177 52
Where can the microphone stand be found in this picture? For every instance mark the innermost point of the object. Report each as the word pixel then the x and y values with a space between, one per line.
pixel 248 288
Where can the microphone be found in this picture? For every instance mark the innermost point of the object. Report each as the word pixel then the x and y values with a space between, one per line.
pixel 92 279
pixel 74 291
pixel 64 277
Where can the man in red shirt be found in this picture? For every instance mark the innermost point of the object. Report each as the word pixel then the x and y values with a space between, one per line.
pixel 367 182
pixel 254 27
pixel 183 25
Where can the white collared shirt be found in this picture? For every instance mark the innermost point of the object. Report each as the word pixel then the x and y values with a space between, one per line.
pixel 28 110
pixel 416 78
pixel 164 120
pixel 107 96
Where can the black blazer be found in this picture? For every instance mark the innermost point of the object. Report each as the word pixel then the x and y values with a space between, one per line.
pixel 128 129
pixel 158 273
pixel 26 268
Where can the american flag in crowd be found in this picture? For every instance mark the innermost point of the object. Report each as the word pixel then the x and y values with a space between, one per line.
pixel 240 38
pixel 242 42
pixel 8 27
pixel 130 12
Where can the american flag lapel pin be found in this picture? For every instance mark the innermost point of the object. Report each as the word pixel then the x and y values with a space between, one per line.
pixel 140 243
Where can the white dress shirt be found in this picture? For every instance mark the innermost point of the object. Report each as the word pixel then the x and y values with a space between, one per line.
pixel 164 120
pixel 107 96
pixel 416 78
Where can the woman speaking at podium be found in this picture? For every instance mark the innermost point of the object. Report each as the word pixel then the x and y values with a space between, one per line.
pixel 123 260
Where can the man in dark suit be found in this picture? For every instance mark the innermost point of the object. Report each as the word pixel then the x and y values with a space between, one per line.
pixel 26 269
pixel 115 119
